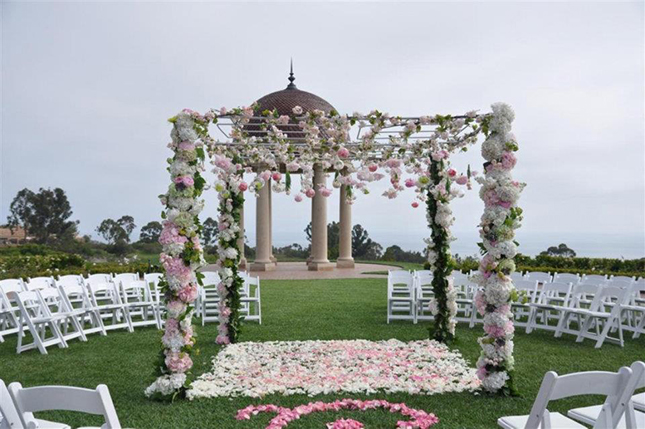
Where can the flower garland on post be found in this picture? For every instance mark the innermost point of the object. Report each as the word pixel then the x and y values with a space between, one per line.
pixel 444 304
pixel 230 188
pixel 182 254
pixel 498 224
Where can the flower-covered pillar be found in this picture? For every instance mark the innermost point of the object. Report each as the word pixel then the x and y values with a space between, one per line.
pixel 230 188
pixel 497 229
pixel 182 254
pixel 440 218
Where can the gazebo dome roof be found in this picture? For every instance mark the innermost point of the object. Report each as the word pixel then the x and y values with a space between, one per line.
pixel 285 100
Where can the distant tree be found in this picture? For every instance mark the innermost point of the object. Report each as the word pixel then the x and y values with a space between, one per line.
pixel 44 215
pixel 209 232
pixel 560 250
pixel 117 231
pixel 363 247
pixel 395 253
pixel 150 232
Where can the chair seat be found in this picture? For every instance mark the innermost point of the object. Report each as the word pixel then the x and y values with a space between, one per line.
pixel 557 421
pixel 52 425
pixel 589 415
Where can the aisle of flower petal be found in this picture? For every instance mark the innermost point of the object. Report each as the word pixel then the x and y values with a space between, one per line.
pixel 319 367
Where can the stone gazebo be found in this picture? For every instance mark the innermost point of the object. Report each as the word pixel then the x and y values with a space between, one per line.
pixel 284 101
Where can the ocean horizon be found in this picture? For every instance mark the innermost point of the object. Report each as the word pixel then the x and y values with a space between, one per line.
pixel 625 246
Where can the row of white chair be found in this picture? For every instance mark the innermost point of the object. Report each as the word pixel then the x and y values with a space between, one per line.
pixel 597 309
pixel 18 405
pixel 595 279
pixel 621 409
pixel 208 302
pixel 55 311
pixel 410 293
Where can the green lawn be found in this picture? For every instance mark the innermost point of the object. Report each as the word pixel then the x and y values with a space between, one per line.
pixel 298 310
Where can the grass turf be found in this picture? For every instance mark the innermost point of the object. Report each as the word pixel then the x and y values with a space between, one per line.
pixel 299 310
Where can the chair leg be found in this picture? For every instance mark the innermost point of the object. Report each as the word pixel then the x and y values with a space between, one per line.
pixel 584 329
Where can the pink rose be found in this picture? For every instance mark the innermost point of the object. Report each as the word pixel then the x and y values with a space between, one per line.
pixel 243 186
pixel 276 176
pixel 310 193
pixel 462 180
pixel 298 198
pixel 187 294
pixel 452 172
pixel 343 152
pixel 373 167
pixel 415 204
pixel 409 183
pixel 325 192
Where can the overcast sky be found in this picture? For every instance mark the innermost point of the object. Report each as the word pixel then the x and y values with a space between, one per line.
pixel 87 89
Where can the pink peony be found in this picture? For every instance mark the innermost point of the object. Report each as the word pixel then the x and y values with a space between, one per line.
pixel 188 294
pixel 178 362
pixel 508 160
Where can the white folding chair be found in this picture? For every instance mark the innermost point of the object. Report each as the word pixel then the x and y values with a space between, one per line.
pixel 593 279
pixel 581 298
pixel 9 417
pixel 152 280
pixel 574 279
pixel 39 283
pixel 106 300
pixel 209 297
pixel 9 312
pixel 633 310
pixel 77 299
pixel 554 387
pixel 465 294
pixel 70 279
pixel 622 279
pixel 539 276
pixel 35 314
pixel 252 299
pixel 140 308
pixel 552 299
pixel 624 416
pixel 401 296
pixel 521 310
pixel 598 315
pixel 68 317
pixel 46 398
pixel 424 294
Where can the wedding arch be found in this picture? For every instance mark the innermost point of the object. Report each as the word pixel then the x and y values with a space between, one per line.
pixel 272 147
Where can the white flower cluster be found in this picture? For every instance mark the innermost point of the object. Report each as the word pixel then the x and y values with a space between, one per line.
pixel 166 384
pixel 328 367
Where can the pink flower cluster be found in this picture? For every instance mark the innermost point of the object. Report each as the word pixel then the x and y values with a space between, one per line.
pixel 345 424
pixel 170 234
pixel 187 181
pixel 178 362
pixel 420 418
pixel 175 267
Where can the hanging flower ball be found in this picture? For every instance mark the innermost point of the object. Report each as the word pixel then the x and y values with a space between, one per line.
pixel 243 186
pixel 415 204
pixel 452 172
pixel 325 192
pixel 462 180
pixel 409 183
pixel 276 176
pixel 298 198
pixel 372 167
pixel 343 152
pixel 310 193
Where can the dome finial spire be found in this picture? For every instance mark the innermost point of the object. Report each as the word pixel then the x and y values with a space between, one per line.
pixel 291 77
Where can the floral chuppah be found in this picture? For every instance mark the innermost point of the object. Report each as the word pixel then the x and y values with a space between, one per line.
pixel 323 140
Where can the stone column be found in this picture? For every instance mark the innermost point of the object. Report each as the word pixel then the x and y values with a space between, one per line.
pixel 262 232
pixel 240 240
pixel 345 259
pixel 311 251
pixel 273 258
pixel 319 225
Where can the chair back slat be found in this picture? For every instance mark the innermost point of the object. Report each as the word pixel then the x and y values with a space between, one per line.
pixel 10 415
